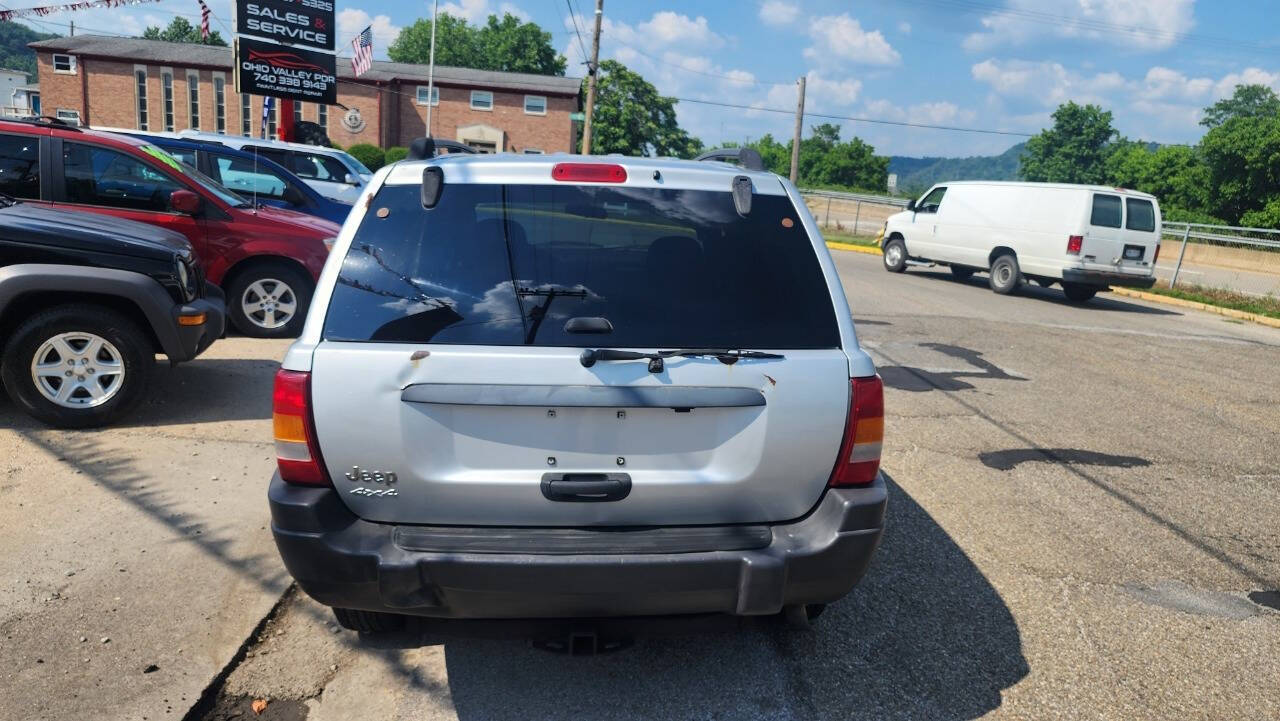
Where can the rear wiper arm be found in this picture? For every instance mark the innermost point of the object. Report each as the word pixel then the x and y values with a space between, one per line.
pixel 728 356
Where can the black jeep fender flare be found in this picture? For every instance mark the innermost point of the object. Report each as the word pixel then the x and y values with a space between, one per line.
pixel 143 291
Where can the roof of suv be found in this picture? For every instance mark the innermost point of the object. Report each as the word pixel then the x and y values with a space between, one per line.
pixel 536 169
pixel 69 131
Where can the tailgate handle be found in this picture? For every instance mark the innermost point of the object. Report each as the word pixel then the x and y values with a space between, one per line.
pixel 585 487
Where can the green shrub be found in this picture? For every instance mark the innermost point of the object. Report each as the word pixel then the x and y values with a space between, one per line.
pixel 396 153
pixel 371 155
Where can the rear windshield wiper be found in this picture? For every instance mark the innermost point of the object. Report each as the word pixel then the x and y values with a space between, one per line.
pixel 728 356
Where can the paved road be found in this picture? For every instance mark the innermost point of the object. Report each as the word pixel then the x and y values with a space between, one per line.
pixel 1083 500
pixel 1243 281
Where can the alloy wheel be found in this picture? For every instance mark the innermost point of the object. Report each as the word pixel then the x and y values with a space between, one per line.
pixel 78 370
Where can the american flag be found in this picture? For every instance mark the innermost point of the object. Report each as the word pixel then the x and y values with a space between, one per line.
pixel 204 20
pixel 362 52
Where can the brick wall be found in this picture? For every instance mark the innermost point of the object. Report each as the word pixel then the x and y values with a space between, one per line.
pixel 391 114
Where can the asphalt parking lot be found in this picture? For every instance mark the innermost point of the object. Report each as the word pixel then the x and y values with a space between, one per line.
pixel 1081 525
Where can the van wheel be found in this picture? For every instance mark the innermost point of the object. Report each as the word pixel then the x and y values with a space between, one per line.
pixel 1077 293
pixel 77 366
pixel 895 256
pixel 269 300
pixel 1005 274
pixel 961 273
pixel 368 621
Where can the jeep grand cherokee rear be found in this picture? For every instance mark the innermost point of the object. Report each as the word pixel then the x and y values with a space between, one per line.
pixel 537 388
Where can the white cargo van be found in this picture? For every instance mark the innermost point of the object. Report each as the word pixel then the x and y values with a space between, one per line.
pixel 1085 237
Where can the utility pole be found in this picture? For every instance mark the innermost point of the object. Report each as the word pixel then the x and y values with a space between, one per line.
pixel 795 139
pixel 431 67
pixel 73 29
pixel 591 80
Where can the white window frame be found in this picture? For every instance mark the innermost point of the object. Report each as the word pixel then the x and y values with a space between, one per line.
pixel 193 104
pixel 67 114
pixel 246 115
pixel 168 119
pixel 219 106
pixel 297 111
pixel 474 93
pixel 141 98
pixel 322 117
pixel 435 95
pixel 527 111
pixel 71 64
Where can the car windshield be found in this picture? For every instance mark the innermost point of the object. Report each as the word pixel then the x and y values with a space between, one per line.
pixel 511 265
pixel 210 185
pixel 356 165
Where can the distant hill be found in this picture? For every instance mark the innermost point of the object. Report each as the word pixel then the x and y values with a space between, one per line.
pixel 14 53
pixel 917 174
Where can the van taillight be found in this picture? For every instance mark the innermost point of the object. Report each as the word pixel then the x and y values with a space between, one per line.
pixel 1074 244
pixel 297 453
pixel 1156 257
pixel 589 173
pixel 859 458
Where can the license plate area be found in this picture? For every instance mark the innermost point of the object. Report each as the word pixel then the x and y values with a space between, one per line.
pixel 1134 252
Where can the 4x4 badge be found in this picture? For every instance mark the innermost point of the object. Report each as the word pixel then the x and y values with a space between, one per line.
pixel 381 492
pixel 357 474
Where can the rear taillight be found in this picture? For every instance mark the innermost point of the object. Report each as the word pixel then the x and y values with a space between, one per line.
pixel 1157 255
pixel 1074 244
pixel 297 453
pixel 589 173
pixel 859 459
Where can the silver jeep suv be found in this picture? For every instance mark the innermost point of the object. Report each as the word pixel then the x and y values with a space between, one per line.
pixel 563 386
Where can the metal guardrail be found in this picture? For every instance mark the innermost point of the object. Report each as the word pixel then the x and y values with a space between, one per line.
pixel 1221 235
pixel 857 197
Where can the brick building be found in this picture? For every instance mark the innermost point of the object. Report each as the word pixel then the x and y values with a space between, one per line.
pixel 156 85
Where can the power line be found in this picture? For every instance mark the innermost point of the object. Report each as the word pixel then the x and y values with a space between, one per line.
pixel 574 17
pixel 876 121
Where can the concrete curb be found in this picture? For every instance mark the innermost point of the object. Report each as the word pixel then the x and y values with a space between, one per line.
pixel 1169 300
pixel 869 250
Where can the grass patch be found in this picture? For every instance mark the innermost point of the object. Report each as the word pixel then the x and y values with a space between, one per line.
pixel 1268 305
pixel 837 236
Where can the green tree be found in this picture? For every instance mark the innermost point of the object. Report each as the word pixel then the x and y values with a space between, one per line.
pixel 1074 150
pixel 506 44
pixel 631 118
pixel 1248 101
pixel 824 160
pixel 1243 159
pixel 776 156
pixel 1176 174
pixel 14 52
pixel 180 30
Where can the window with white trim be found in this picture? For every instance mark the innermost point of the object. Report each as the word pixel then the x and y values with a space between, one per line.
pixel 481 100
pixel 297 111
pixel 272 117
pixel 64 64
pixel 535 105
pixel 140 85
pixel 166 87
pixel 246 115
pixel 220 103
pixel 71 116
pixel 322 117
pixel 193 98
pixel 422 94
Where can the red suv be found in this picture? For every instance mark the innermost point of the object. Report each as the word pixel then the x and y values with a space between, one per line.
pixel 266 259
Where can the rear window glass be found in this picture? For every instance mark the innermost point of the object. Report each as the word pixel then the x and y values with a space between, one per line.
pixel 1106 211
pixel 1142 215
pixel 509 265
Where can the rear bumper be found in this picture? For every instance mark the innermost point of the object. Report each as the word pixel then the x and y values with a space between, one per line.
pixel 192 340
pixel 341 560
pixel 1104 278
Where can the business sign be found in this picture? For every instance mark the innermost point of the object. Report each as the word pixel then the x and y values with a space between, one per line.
pixel 301 23
pixel 264 68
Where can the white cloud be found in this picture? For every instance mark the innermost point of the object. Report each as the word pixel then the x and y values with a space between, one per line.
pixel 352 21
pixel 1249 76
pixel 670 28
pixel 1163 83
pixel 778 12
pixel 904 27
pixel 1046 82
pixel 841 38
pixel 478 11
pixel 1142 24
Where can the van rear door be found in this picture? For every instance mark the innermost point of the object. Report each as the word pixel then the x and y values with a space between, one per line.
pixel 1109 245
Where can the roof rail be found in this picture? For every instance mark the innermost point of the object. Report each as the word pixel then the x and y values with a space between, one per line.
pixel 46 120
pixel 748 158
pixel 428 147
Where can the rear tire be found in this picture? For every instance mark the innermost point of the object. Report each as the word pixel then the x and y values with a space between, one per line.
pixel 77 366
pixel 1079 293
pixel 360 621
pixel 1005 274
pixel 960 272
pixel 269 300
pixel 895 256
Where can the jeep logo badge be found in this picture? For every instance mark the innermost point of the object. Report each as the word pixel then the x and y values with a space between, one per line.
pixel 358 474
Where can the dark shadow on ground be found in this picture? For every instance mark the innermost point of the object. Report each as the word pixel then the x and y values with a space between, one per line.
pixel 199 391
pixel 1102 301
pixel 925 635
pixel 1008 459
pixel 919 380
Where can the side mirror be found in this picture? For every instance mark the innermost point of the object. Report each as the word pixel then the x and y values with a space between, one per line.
pixel 185 201
pixel 351 180
pixel 911 205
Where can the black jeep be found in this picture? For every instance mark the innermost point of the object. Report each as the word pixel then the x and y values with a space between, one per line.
pixel 86 302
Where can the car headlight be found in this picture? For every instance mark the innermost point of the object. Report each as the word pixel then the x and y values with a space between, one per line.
pixel 328 243
pixel 185 280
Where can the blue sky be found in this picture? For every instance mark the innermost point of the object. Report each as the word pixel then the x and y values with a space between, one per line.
pixel 990 64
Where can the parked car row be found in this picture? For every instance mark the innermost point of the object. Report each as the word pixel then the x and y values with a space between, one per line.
pixel 115 247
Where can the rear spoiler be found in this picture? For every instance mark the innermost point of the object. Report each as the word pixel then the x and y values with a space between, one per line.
pixel 428 147
pixel 748 158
